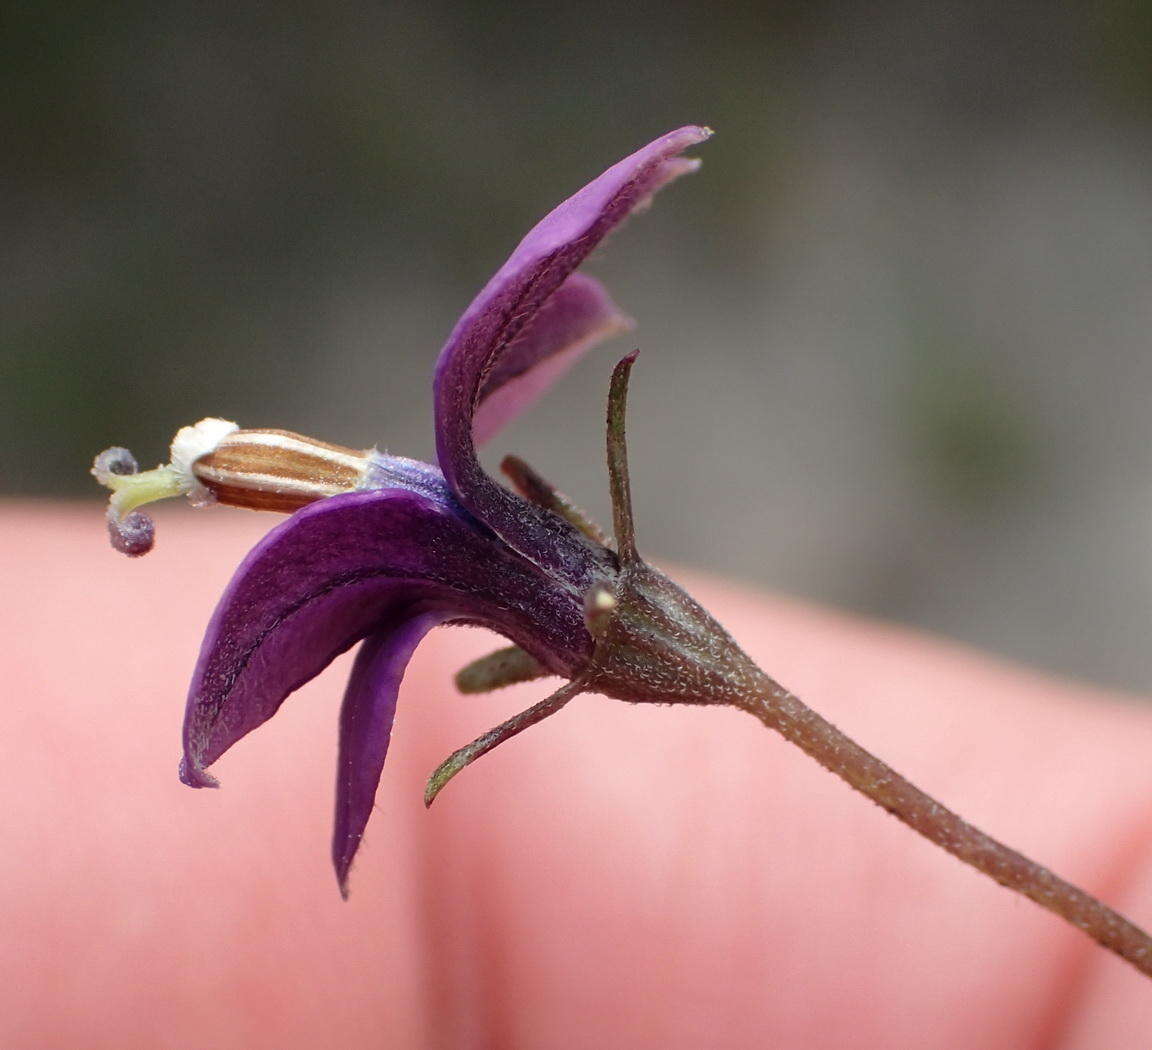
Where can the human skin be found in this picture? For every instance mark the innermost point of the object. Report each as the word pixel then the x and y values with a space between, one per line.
pixel 619 876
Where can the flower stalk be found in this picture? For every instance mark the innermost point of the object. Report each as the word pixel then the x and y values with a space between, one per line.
pixel 780 710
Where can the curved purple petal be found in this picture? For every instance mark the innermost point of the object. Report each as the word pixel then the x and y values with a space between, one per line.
pixel 337 571
pixel 366 728
pixel 577 316
pixel 540 264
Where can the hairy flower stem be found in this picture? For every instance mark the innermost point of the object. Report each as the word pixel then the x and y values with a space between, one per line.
pixel 780 710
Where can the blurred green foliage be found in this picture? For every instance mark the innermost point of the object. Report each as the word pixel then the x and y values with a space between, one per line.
pixel 275 213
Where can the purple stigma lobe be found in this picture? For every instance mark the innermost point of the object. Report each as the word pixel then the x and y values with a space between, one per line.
pixel 133 534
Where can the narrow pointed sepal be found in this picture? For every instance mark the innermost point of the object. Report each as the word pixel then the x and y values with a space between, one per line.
pixel 468 754
pixel 622 522
pixel 653 642
pixel 508 666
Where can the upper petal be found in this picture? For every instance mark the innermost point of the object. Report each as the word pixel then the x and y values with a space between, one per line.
pixel 510 301
pixel 334 573
pixel 577 316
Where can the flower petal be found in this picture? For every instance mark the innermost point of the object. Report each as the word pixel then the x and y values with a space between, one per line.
pixel 510 301
pixel 366 728
pixel 577 316
pixel 337 571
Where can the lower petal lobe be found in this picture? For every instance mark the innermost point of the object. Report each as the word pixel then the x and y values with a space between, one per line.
pixel 342 569
pixel 366 718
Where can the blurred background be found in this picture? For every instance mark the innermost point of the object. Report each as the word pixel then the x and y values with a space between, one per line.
pixel 895 331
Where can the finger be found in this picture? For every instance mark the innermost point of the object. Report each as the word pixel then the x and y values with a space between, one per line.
pixel 619 875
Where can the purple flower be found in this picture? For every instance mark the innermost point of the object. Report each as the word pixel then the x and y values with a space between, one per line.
pixel 398 547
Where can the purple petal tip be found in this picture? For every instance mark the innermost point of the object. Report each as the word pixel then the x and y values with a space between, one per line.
pixel 195 777
pixel 342 863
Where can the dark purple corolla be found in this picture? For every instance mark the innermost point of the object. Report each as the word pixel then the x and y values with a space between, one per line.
pixel 399 547
pixel 381 549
